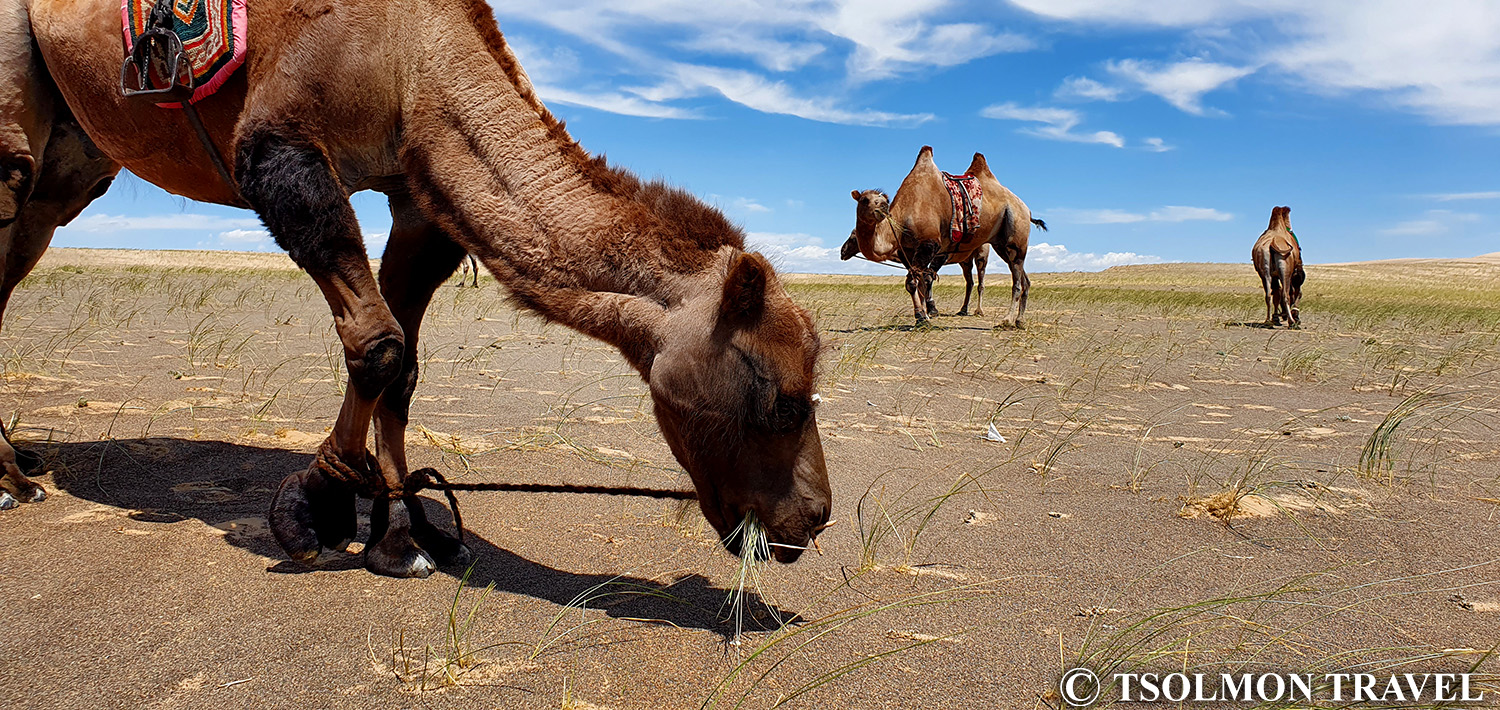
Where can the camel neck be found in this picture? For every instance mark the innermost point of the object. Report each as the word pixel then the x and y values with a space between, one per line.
pixel 510 184
pixel 881 238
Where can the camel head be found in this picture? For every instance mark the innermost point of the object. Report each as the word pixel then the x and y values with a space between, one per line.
pixel 733 381
pixel 871 206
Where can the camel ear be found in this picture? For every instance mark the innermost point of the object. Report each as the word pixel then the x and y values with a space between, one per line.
pixel 854 194
pixel 745 290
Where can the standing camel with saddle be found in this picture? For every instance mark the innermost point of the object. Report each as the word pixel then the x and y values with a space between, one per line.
pixel 1278 260
pixel 337 96
pixel 938 219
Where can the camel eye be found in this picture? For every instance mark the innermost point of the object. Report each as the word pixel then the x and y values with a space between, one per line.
pixel 789 414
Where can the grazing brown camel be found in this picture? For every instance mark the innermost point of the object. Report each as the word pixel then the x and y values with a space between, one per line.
pixel 913 230
pixel 344 95
pixel 1278 259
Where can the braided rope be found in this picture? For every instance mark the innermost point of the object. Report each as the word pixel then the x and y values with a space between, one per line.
pixel 371 484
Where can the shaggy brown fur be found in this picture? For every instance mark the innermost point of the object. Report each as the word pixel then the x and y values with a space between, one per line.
pixel 913 229
pixel 343 95
pixel 1278 260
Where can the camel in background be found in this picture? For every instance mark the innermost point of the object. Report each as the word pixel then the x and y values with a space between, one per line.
pixel 913 229
pixel 469 268
pixel 438 115
pixel 1278 259
pixel 872 203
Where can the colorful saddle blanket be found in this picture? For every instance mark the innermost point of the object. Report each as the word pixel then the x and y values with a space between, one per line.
pixel 213 36
pixel 967 194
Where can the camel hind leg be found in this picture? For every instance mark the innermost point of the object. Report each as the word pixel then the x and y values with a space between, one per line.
pixel 968 268
pixel 72 174
pixel 981 261
pixel 1010 243
pixel 1283 292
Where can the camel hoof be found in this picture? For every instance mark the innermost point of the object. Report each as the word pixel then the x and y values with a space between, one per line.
pixel 291 519
pixel 961 313
pixel 7 501
pixel 396 557
pixel 445 549
pixel 37 495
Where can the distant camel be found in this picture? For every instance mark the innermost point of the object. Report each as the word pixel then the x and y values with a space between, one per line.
pixel 913 229
pixel 978 260
pixel 1278 259
pixel 467 267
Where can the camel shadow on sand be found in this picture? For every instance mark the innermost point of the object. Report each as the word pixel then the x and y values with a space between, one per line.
pixel 1260 325
pixel 229 486
pixel 922 328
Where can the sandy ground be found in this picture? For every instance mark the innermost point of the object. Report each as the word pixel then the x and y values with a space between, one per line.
pixel 1177 488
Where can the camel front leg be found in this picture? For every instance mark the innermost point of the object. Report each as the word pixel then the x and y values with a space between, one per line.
pixel 914 289
pixel 290 183
pixel 419 257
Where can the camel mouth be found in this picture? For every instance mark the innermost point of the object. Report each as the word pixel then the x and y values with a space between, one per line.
pixel 751 539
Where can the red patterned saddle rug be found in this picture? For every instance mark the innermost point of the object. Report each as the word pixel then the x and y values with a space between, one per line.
pixel 967 195
pixel 213 36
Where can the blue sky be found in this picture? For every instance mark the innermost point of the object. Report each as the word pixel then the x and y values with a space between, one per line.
pixel 1140 130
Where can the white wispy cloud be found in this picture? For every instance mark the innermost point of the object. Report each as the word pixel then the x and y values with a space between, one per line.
pixel 1432 224
pixel 745 204
pixel 1169 213
pixel 804 253
pixel 1157 145
pixel 1058 123
pixel 876 39
pixel 1440 60
pixel 1082 88
pixel 245 240
pixel 375 242
pixel 162 222
pixel 1181 84
pixel 1056 257
pixel 612 102
pixel 1457 196
pixel 767 96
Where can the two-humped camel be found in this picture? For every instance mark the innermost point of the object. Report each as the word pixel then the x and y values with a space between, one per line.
pixel 913 229
pixel 422 100
pixel 1278 260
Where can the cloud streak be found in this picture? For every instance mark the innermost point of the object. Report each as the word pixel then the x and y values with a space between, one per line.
pixel 877 39
pixel 1058 123
pixel 1440 61
pixel 1169 214
pixel 1057 257
pixel 165 222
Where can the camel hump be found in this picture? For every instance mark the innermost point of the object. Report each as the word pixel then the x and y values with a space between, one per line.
pixel 978 166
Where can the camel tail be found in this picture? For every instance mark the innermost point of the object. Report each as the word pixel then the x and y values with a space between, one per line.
pixel 1039 223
